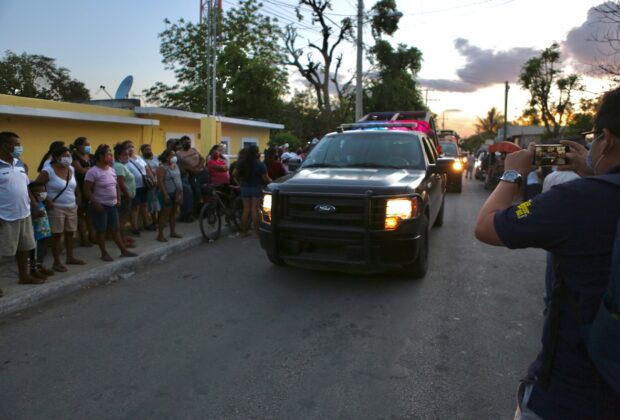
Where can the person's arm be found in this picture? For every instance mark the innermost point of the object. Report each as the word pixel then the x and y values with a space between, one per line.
pixel 78 167
pixel 43 178
pixel 88 193
pixel 161 173
pixel 120 181
pixel 502 197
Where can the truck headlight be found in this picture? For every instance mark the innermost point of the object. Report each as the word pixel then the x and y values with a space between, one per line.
pixel 457 166
pixel 399 209
pixel 266 208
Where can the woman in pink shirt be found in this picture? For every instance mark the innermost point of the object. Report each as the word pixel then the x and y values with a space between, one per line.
pixel 218 169
pixel 101 190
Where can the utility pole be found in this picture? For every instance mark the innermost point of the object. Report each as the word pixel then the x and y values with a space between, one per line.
pixel 209 12
pixel 359 94
pixel 506 111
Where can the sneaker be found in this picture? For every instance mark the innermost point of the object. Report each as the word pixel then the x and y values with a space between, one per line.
pixel 135 232
pixel 150 228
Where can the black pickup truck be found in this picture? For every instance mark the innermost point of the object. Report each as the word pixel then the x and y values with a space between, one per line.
pixel 363 201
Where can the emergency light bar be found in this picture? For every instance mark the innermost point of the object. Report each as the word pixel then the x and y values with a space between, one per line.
pixel 375 125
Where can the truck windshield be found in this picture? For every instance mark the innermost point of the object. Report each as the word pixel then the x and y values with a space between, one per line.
pixel 371 149
pixel 449 149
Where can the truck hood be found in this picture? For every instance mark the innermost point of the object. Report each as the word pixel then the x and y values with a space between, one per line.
pixel 351 179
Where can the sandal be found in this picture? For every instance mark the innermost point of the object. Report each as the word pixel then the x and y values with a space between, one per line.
pixel 175 235
pixel 107 258
pixel 75 262
pixel 59 268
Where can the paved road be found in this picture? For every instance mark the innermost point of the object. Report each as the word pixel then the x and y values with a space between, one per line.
pixel 221 333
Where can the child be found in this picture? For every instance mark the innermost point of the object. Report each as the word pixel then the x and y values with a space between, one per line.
pixel 42 232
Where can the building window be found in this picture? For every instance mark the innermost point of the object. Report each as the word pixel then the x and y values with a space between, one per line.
pixel 247 141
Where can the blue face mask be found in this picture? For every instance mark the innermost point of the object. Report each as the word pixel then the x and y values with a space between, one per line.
pixel 18 151
pixel 87 150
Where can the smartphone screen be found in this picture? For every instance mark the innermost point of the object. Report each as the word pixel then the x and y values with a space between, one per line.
pixel 550 155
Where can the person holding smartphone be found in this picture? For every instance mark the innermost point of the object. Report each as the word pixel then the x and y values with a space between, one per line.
pixel 575 222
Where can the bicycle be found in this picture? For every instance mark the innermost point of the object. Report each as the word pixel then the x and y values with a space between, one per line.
pixel 220 202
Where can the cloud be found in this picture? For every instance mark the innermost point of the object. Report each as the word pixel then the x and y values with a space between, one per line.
pixel 583 44
pixel 482 68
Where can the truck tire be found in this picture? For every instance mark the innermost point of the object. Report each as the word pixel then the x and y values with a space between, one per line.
pixel 439 219
pixel 419 267
pixel 275 260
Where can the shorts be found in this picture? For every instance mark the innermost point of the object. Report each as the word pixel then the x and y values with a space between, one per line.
pixel 163 204
pixel 63 219
pixel 153 201
pixel 125 208
pixel 16 236
pixel 251 192
pixel 141 196
pixel 106 219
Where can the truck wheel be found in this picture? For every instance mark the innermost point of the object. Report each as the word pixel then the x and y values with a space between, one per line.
pixel 275 260
pixel 459 186
pixel 439 219
pixel 419 267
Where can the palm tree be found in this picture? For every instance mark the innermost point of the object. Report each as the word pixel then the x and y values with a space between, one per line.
pixel 491 123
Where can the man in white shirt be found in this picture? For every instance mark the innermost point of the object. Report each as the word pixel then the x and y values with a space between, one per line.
pixel 16 234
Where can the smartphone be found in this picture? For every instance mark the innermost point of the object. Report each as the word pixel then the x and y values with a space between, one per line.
pixel 550 155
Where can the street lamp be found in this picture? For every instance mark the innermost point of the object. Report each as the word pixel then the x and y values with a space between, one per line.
pixel 443 117
pixel 359 97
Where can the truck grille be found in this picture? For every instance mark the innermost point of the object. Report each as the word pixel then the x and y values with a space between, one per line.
pixel 349 211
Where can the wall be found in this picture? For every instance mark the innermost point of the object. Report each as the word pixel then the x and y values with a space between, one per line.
pixel 238 132
pixel 36 134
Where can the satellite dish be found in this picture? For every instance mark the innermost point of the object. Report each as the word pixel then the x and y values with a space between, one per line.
pixel 123 89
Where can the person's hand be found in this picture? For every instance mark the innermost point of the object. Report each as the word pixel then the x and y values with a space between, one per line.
pixel 97 206
pixel 49 204
pixel 576 155
pixel 179 196
pixel 520 161
pixel 167 198
pixel 38 213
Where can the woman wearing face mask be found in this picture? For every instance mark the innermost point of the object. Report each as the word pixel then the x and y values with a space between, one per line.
pixel 170 192
pixel 61 202
pixel 82 162
pixel 152 162
pixel 218 169
pixel 127 186
pixel 101 190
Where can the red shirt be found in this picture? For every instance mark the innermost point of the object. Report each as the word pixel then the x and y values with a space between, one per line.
pixel 216 176
pixel 276 169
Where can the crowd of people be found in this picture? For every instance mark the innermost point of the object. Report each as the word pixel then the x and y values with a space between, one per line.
pixel 116 192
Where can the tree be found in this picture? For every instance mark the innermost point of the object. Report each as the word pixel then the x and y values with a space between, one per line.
pixel 37 76
pixel 318 72
pixel 249 82
pixel 550 91
pixel 490 124
pixel 583 120
pixel 473 143
pixel 395 86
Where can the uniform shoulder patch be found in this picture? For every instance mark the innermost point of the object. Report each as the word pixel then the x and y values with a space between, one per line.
pixel 523 209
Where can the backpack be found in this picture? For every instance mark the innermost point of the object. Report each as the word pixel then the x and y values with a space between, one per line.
pixel 602 336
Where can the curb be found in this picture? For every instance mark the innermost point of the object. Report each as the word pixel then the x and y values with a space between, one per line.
pixel 98 275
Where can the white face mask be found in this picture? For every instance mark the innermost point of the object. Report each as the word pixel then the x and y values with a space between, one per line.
pixel 66 160
pixel 173 159
pixel 42 196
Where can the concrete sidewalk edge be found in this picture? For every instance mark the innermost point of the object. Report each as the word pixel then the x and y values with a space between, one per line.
pixel 98 275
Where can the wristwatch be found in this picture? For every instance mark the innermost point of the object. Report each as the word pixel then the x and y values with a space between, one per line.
pixel 513 177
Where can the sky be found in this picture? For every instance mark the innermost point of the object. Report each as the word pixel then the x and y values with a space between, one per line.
pixel 469 47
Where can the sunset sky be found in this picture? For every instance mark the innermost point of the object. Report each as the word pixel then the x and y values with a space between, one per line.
pixel 470 47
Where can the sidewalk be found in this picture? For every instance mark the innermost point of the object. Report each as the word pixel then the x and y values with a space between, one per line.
pixel 18 297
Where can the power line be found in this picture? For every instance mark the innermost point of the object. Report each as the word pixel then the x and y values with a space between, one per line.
pixel 456 16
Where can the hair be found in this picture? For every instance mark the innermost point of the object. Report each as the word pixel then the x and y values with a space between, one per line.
pixel 165 155
pixel 101 151
pixel 213 149
pixel 5 136
pixel 35 184
pixel 247 157
pixel 59 151
pixel 79 142
pixel 172 142
pixel 119 148
pixel 185 138
pixel 143 147
pixel 607 113
pixel 271 154
pixel 55 145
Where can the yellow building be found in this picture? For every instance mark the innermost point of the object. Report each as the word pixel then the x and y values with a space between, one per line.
pixel 39 122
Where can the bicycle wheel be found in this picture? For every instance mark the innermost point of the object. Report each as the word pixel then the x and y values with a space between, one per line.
pixel 236 210
pixel 210 220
